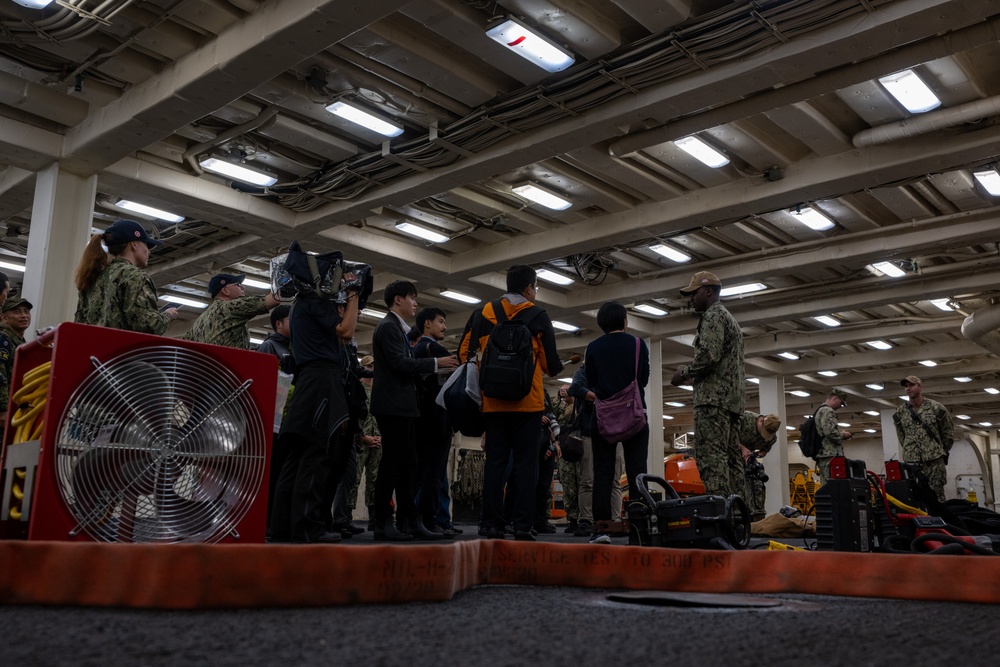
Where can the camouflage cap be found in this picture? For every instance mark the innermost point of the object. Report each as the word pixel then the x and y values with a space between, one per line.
pixel 910 379
pixel 220 280
pixel 770 426
pixel 701 279
pixel 11 304
pixel 839 393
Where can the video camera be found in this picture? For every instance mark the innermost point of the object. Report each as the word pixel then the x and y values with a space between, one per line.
pixel 298 272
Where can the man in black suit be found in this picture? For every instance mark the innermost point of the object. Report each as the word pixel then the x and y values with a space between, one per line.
pixel 395 406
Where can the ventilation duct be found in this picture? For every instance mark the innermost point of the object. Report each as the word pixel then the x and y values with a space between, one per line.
pixel 981 327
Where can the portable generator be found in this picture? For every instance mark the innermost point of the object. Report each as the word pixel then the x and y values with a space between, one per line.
pixel 698 522
pixel 844 516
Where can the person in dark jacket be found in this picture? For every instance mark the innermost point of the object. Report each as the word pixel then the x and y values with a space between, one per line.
pixel 278 341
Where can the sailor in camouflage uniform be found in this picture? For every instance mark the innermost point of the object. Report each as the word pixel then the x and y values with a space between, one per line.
pixel 116 293
pixel 224 322
pixel 16 318
pixel 831 433
pixel 925 433
pixel 717 375
pixel 757 434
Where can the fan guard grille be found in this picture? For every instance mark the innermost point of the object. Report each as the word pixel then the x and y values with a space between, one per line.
pixel 163 444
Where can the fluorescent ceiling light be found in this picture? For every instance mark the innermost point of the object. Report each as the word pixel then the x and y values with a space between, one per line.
pixel 701 151
pixel 650 310
pixel 256 284
pixel 12 266
pixel 876 387
pixel 239 172
pixel 843 425
pixel 871 413
pixel 799 393
pixel 554 277
pixel 889 269
pixel 255 340
pixel 685 387
pixel 942 304
pixel 754 380
pixel 991 390
pixel 788 355
pixel 986 423
pixel 792 428
pixel 827 320
pixel 990 180
pixel 365 119
pixel 373 312
pixel 829 374
pixel 668 416
pixel 149 210
pixel 869 430
pixel 879 344
pixel 34 4
pixel 531 46
pixel 182 300
pixel 674 404
pixel 421 232
pixel 670 253
pixel 459 296
pixel 963 378
pixel 910 91
pixel 812 218
pixel 566 380
pixel 563 326
pixel 542 196
pixel 963 416
pixel 928 363
pixel 904 398
pixel 742 289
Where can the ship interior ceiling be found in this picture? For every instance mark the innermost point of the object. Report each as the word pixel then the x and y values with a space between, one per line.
pixel 902 246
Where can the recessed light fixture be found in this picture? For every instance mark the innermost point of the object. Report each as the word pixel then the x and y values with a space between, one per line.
pixel 183 300
pixel 668 416
pixel 685 387
pixel 869 430
pixel 256 284
pixel 542 196
pixel 701 151
pixel 910 91
pixel 875 386
pixel 566 380
pixel 747 288
pixel 562 326
pixel 459 296
pixel 254 340
pixel 799 393
pixel 554 277
pixel 239 172
pixel 812 218
pixel 889 269
pixel 829 374
pixel 963 378
pixel 963 417
pixel 650 310
pixel 670 253
pixel 754 380
pixel 148 211
pixel 827 320
pixel 990 180
pixel 986 423
pixel 34 4
pixel 373 313
pixel 789 355
pixel 942 304
pixel 792 428
pixel 843 425
pixel 871 413
pixel 11 266
pixel 531 45
pixel 674 404
pixel 421 232
pixel 928 363
pixel 991 390
pixel 365 119
pixel 879 344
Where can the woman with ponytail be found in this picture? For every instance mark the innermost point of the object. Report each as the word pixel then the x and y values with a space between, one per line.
pixel 114 291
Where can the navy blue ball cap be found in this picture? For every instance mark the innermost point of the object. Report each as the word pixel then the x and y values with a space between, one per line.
pixel 220 280
pixel 125 231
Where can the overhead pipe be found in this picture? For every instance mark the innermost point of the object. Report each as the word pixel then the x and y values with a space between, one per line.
pixel 265 118
pixel 41 101
pixel 981 328
pixel 928 122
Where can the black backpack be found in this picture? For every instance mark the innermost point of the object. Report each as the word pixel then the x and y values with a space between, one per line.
pixel 810 441
pixel 508 366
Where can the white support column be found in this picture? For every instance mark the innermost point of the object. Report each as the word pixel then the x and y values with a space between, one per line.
pixel 61 220
pixel 772 401
pixel 890 441
pixel 654 408
pixel 993 461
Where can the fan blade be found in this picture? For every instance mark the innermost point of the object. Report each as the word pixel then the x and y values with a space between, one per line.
pixel 177 514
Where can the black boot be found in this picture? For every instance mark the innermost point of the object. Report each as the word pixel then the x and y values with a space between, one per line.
pixel 417 529
pixel 371 518
pixel 385 531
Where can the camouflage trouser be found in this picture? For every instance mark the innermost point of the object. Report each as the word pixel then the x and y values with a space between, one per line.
pixel 368 460
pixel 569 477
pixel 717 451
pixel 937 475
pixel 823 470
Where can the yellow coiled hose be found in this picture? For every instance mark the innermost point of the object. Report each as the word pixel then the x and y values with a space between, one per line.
pixel 30 401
